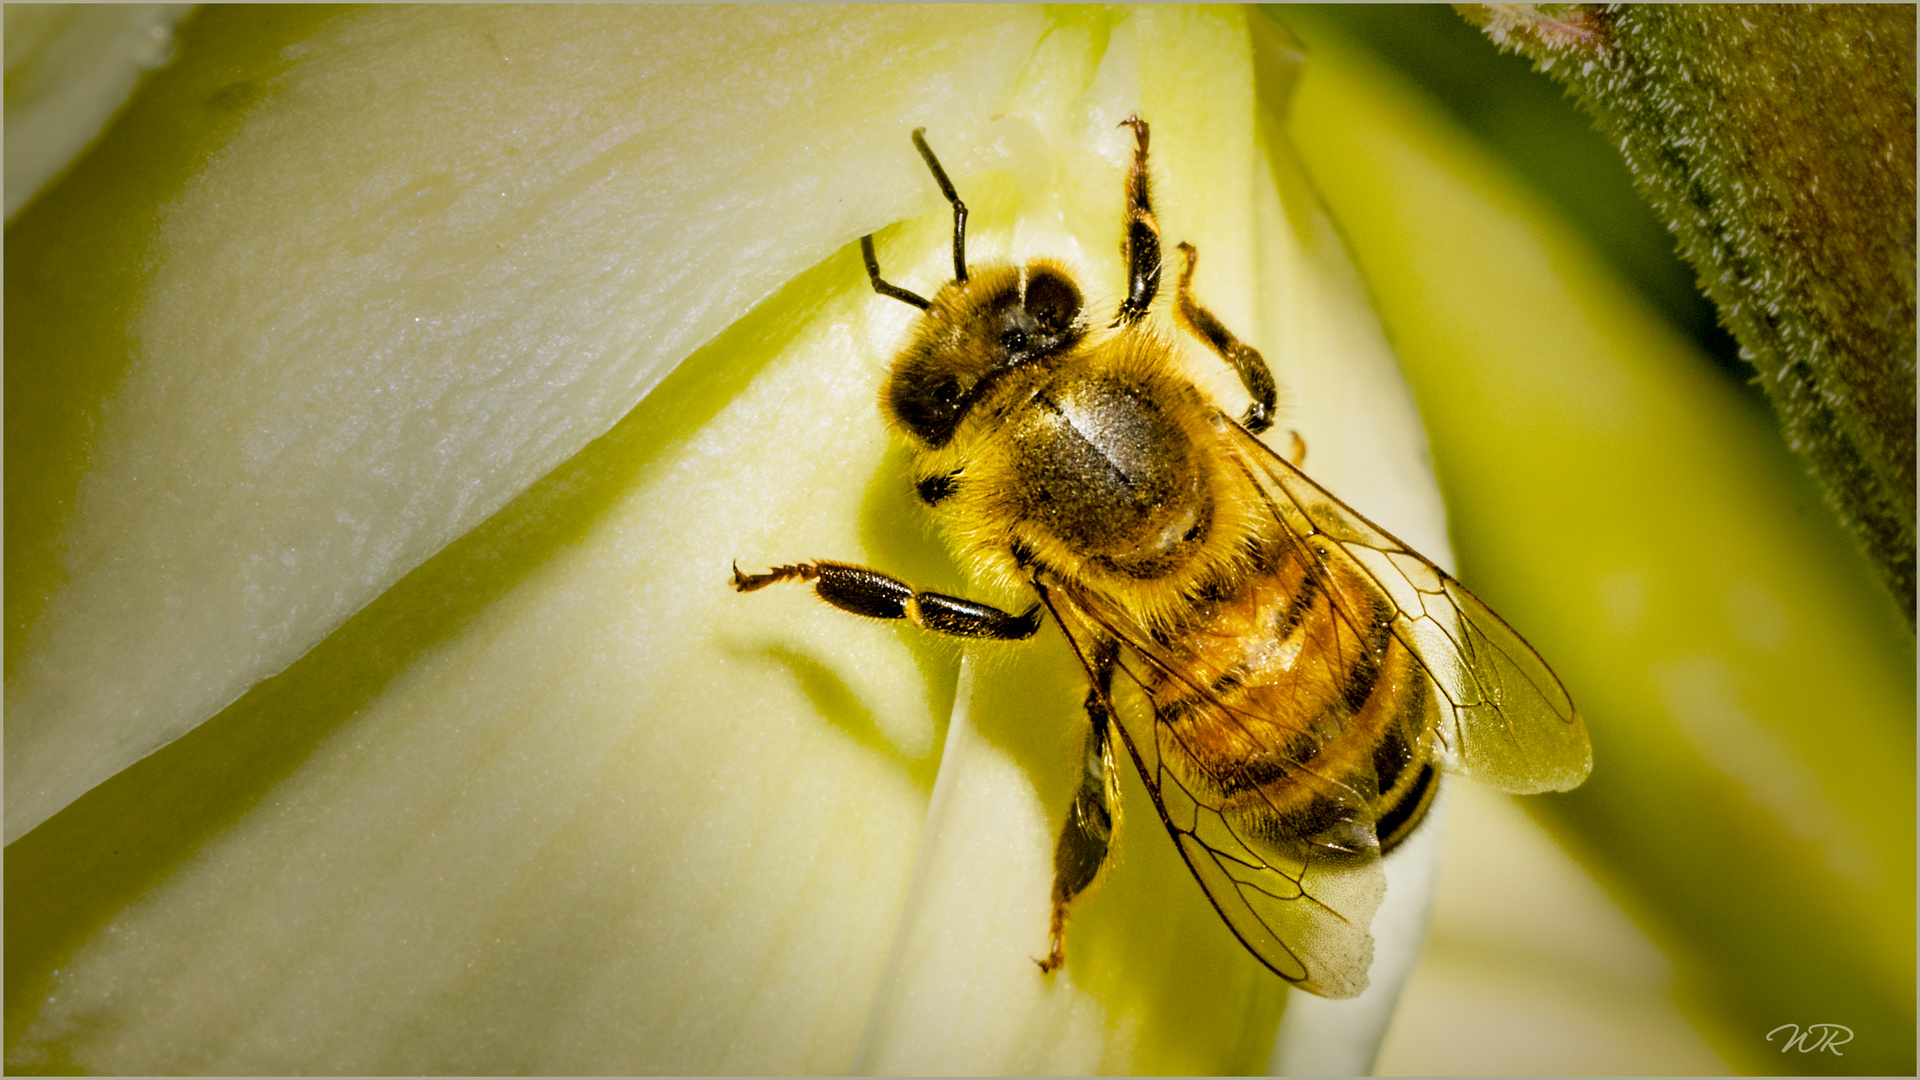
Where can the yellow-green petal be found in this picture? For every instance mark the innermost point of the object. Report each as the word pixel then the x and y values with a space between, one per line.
pixel 70 67
pixel 419 257
pixel 561 801
pixel 1749 693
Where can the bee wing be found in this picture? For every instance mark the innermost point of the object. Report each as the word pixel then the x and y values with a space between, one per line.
pixel 1503 717
pixel 1303 910
pixel 1302 905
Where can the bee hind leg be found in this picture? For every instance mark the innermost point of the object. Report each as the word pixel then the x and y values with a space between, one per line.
pixel 1245 360
pixel 1088 832
pixel 882 596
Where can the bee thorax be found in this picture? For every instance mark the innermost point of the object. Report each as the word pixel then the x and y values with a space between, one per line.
pixel 1112 476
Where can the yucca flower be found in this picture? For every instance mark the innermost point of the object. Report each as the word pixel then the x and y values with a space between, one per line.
pixel 389 393
pixel 459 354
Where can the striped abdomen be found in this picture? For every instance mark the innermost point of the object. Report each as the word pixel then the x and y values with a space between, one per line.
pixel 1289 706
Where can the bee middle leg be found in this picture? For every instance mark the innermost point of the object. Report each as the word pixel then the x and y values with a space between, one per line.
pixel 1082 849
pixel 1245 359
pixel 882 596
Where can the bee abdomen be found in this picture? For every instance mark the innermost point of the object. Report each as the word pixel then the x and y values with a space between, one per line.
pixel 1398 820
pixel 1306 725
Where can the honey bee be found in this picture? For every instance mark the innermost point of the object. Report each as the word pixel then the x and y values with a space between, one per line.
pixel 1292 678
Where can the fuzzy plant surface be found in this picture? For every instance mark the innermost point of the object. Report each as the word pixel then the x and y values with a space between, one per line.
pixel 1777 142
pixel 1749 689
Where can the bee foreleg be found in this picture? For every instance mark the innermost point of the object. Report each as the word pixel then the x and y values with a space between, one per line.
pixel 1082 849
pixel 1245 359
pixel 1140 244
pixel 880 596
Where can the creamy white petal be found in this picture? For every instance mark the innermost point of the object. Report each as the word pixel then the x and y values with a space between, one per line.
pixel 448 248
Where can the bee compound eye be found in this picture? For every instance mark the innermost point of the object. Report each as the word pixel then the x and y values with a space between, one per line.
pixel 928 396
pixel 1014 340
pixel 1052 302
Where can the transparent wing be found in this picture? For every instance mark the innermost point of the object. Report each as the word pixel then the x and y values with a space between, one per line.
pixel 1501 716
pixel 1281 834
pixel 1300 899
pixel 1304 910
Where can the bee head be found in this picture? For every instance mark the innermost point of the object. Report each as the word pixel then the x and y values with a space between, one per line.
pixel 974 331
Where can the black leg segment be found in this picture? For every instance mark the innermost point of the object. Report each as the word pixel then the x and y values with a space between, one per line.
pixel 880 596
pixel 1140 244
pixel 1246 360
pixel 1081 851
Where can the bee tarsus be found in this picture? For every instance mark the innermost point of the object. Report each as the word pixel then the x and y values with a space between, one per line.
pixel 881 596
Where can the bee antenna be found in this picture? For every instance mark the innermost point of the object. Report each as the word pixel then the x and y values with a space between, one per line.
pixel 959 208
pixel 881 287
